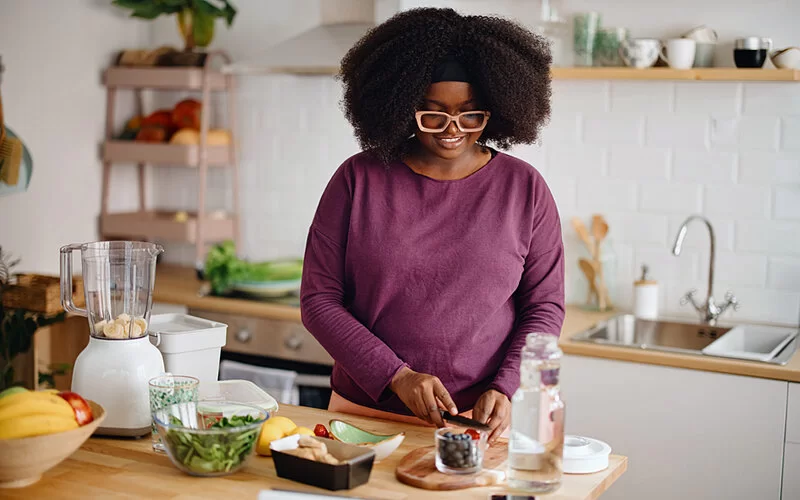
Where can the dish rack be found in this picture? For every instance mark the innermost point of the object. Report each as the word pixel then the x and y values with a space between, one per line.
pixel 199 227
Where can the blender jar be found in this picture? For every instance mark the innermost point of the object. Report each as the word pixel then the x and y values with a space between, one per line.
pixel 118 281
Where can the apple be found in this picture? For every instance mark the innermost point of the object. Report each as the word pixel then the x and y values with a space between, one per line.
pixel 83 412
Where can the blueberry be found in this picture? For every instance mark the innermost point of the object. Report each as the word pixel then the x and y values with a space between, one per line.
pixel 448 435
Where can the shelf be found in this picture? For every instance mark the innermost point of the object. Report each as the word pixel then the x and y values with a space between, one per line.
pixel 164 226
pixel 162 78
pixel 702 74
pixel 163 154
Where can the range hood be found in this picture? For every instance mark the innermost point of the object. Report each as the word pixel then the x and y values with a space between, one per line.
pixel 320 49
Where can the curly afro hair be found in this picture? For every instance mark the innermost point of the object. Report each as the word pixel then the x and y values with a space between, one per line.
pixel 387 72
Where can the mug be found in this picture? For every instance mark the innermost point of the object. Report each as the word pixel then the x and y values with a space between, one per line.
pixel 639 52
pixel 704 55
pixel 788 58
pixel 701 34
pixel 680 53
pixel 751 52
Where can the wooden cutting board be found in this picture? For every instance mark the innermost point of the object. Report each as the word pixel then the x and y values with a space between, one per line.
pixel 418 469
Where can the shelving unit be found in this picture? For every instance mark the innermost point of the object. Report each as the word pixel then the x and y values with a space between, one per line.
pixel 201 227
pixel 607 73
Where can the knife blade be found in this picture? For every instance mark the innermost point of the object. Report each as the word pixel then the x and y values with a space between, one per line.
pixel 467 422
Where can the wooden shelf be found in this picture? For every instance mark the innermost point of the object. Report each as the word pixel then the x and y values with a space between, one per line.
pixel 164 226
pixel 702 74
pixel 161 78
pixel 164 154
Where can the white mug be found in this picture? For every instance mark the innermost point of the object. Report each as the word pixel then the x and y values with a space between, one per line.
pixel 680 53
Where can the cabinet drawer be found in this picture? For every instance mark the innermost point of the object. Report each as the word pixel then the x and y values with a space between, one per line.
pixel 267 337
pixel 793 414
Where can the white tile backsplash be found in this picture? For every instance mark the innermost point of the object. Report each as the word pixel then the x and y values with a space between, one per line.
pixel 645 154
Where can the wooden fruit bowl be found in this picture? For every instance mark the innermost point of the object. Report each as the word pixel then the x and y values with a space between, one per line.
pixel 23 461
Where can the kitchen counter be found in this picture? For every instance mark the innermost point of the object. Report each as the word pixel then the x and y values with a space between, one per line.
pixel 179 285
pixel 118 467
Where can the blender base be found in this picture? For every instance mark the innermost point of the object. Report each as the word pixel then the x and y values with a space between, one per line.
pixel 121 432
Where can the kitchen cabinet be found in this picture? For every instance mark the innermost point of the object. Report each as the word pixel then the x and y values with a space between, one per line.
pixel 791 472
pixel 689 434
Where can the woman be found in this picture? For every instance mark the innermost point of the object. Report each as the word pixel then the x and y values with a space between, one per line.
pixel 432 255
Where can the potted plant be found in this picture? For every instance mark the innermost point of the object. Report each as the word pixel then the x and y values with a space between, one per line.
pixel 17 327
pixel 195 18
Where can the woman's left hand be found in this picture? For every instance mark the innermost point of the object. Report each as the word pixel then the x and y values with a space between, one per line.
pixel 494 409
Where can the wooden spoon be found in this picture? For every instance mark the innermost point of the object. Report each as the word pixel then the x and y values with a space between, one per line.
pixel 589 271
pixel 599 232
pixel 583 234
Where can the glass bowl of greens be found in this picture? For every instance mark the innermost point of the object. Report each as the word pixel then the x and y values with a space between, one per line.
pixel 209 438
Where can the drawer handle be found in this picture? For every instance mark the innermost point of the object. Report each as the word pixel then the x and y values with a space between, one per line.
pixel 293 343
pixel 244 336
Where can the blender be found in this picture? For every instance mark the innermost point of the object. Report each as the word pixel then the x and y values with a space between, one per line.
pixel 115 367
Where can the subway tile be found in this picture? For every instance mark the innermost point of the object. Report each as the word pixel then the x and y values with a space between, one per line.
pixel 663 197
pixel 564 190
pixel 768 167
pixel 663 266
pixel 677 130
pixel 712 97
pixel 758 132
pixel 635 162
pixel 737 200
pixel 787 202
pixel 638 229
pixel 756 304
pixel 771 98
pixel 641 97
pixel 576 160
pixel 768 237
pixel 579 96
pixel 711 167
pixel 533 154
pixel 738 269
pixel 599 195
pixel 790 133
pixel 563 128
pixel 613 128
pixel 784 273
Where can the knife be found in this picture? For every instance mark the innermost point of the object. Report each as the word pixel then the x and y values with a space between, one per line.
pixel 466 422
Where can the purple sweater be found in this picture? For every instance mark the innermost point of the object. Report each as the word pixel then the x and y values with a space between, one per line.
pixel 445 277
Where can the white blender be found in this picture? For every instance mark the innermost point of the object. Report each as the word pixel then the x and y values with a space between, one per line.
pixel 114 369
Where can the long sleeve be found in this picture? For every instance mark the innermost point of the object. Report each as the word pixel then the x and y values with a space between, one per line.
pixel 367 360
pixel 539 299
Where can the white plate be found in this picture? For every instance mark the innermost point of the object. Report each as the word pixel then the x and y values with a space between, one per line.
pixel 754 342
pixel 268 288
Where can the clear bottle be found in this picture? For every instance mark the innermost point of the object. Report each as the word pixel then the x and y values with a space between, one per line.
pixel 536 447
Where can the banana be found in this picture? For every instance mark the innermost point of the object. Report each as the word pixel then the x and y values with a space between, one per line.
pixel 27 396
pixel 12 390
pixel 35 425
pixel 43 404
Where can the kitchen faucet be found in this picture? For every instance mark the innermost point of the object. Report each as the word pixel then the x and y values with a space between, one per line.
pixel 710 311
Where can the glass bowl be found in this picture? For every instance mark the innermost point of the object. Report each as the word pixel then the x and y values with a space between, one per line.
pixel 209 438
pixel 457 452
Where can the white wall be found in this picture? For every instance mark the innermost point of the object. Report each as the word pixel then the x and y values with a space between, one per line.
pixel 53 52
pixel 645 154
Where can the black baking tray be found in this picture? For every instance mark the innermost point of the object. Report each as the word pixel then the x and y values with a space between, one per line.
pixel 354 471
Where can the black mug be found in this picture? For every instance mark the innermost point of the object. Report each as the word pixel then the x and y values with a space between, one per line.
pixel 751 52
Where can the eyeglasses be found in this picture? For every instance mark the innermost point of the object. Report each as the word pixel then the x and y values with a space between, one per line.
pixel 438 121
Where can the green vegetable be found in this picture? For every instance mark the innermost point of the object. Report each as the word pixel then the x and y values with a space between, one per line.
pixel 223 268
pixel 210 453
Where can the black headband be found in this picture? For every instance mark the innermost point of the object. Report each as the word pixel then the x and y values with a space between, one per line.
pixel 450 69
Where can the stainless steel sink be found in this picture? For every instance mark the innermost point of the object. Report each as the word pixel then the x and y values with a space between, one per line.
pixel 687 338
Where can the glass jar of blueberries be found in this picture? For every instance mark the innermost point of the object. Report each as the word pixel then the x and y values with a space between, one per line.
pixel 460 452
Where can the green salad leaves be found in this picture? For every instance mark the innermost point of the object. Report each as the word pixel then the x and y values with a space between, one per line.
pixel 223 268
pixel 213 453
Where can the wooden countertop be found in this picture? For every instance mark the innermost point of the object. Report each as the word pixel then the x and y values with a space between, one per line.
pixel 179 285
pixel 118 467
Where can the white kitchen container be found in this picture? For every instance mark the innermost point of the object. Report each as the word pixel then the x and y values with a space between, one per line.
pixel 189 345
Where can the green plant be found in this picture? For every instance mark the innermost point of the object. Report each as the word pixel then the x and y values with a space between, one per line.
pixel 17 326
pixel 195 17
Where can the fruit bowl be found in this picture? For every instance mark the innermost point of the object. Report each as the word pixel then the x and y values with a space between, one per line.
pixel 24 460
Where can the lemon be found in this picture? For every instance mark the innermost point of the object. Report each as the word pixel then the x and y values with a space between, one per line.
pixel 284 424
pixel 269 433
pixel 303 431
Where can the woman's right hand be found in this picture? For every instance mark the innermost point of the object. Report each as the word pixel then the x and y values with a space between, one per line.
pixel 423 394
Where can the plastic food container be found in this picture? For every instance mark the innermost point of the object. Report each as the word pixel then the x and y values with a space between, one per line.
pixel 189 345
pixel 242 391
pixel 354 469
